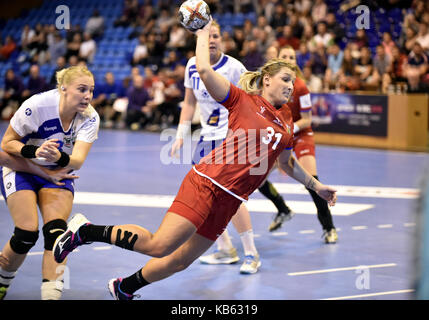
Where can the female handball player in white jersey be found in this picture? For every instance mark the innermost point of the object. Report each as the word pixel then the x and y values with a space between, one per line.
pixel 55 128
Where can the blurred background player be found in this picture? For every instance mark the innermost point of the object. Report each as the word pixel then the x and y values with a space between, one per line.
pixel 304 148
pixel 214 122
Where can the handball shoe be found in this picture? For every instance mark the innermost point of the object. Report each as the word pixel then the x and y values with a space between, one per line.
pixel 116 292
pixel 70 239
pixel 221 257
pixel 279 219
pixel 330 236
pixel 250 265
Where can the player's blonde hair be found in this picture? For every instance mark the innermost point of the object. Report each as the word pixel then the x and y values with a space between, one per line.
pixel 67 75
pixel 251 81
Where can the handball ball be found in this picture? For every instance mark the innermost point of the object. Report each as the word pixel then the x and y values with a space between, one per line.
pixel 194 14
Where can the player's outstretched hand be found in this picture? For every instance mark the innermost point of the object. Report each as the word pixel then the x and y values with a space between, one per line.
pixel 329 194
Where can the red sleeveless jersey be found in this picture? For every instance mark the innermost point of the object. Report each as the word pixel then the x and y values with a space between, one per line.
pixel 258 133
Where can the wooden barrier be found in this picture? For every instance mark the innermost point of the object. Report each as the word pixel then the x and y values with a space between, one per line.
pixel 407 127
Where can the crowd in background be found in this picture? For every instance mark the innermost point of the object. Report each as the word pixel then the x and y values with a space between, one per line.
pixel 149 98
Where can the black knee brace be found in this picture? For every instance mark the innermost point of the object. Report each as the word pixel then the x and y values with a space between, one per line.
pixel 22 240
pixel 52 230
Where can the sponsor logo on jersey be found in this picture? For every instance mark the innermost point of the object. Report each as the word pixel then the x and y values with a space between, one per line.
pixel 28 112
pixel 50 128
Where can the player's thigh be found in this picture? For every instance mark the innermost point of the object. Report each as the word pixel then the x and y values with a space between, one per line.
pixel 55 203
pixel 23 209
pixel 309 164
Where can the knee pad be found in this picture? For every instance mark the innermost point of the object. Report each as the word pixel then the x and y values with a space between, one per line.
pixel 52 230
pixel 22 240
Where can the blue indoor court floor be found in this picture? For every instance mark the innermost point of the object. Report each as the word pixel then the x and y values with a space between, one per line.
pixel 123 181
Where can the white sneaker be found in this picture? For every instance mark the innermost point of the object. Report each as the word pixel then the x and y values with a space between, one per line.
pixel 221 257
pixel 250 265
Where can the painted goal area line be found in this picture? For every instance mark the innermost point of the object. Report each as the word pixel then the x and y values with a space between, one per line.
pixel 342 269
pixel 384 293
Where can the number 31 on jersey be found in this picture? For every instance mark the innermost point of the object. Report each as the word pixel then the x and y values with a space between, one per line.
pixel 270 134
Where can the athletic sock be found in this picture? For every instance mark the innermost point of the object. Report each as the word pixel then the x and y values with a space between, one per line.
pixel 224 242
pixel 93 233
pixel 6 277
pixel 133 283
pixel 270 192
pixel 323 213
pixel 247 239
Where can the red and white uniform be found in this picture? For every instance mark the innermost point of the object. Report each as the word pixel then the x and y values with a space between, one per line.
pixel 303 144
pixel 214 189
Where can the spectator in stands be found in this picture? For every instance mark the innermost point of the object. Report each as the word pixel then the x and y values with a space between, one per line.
pixel 360 40
pixel 319 61
pixel 322 36
pixel 387 43
pixel 303 7
pixel 129 14
pixel 73 47
pixel 138 97
pixel 416 67
pixel 296 26
pixel 307 38
pixel 13 88
pixel 105 95
pixel 364 68
pixel 177 37
pixel 73 61
pixel 409 39
pixel 95 25
pixel 36 83
pixel 268 8
pixel 334 28
pixel 252 57
pixel 239 38
pixel 140 52
pixel 61 64
pixel 262 38
pixel 302 55
pixel 279 19
pixel 335 60
pixel 423 37
pixel 319 11
pixel 382 65
pixel 314 83
pixel 167 112
pixel 87 48
pixel 165 20
pixel 231 48
pixel 57 48
pixel 7 48
pixel 396 71
pixel 26 36
pixel 287 38
pixel 271 53
pixel 349 79
pixel 171 61
pixel 263 24
pixel 155 48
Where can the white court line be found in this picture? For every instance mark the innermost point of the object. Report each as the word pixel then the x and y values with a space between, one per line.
pixel 307 231
pixel 279 234
pixel 384 226
pixel 341 269
pixel 409 224
pixel 371 294
pixel 359 227
pixel 102 248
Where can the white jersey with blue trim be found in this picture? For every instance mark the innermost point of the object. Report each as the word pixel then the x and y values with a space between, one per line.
pixel 213 116
pixel 38 120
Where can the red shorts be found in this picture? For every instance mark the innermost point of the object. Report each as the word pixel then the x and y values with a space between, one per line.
pixel 303 145
pixel 206 205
